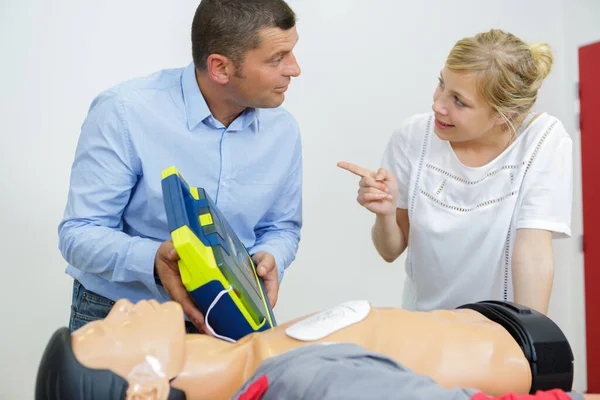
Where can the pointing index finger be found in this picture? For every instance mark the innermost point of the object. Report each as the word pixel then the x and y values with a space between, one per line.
pixel 355 169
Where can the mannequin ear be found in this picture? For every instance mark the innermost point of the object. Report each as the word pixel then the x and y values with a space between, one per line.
pixel 157 389
pixel 219 68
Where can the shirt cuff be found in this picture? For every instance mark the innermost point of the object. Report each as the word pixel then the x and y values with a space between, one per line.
pixel 271 250
pixel 147 250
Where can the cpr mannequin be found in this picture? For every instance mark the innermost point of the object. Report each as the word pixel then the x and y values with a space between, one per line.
pixel 143 352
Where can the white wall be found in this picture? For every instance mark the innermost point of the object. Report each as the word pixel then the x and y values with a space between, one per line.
pixel 366 66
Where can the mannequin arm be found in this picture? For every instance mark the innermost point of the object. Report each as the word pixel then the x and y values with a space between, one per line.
pixel 533 268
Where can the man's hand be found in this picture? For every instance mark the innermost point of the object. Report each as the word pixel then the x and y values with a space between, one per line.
pixel 267 270
pixel 165 266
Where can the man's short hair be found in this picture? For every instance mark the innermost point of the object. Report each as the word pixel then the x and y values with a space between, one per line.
pixel 231 27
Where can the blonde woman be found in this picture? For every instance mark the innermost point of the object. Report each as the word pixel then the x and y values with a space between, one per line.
pixel 476 190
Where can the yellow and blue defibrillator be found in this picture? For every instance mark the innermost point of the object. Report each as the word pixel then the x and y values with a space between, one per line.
pixel 214 264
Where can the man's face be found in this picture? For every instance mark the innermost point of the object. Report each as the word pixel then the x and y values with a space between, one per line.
pixel 266 72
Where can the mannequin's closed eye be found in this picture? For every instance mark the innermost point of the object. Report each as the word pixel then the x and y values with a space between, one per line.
pixel 119 315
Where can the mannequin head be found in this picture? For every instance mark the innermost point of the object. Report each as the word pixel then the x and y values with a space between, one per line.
pixel 142 343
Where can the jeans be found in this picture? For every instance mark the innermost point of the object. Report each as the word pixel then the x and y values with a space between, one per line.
pixel 87 306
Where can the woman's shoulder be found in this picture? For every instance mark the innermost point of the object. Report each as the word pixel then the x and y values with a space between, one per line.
pixel 545 134
pixel 546 124
pixel 417 123
pixel 412 129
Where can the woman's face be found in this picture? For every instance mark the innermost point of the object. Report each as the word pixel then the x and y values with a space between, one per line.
pixel 461 113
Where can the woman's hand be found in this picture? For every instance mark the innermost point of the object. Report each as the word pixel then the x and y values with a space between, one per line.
pixel 378 191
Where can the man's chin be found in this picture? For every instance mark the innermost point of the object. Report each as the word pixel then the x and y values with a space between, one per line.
pixel 271 102
pixel 276 101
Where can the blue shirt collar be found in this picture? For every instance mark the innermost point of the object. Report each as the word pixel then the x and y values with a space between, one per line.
pixel 197 110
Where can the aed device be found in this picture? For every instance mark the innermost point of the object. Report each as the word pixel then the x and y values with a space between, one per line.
pixel 215 266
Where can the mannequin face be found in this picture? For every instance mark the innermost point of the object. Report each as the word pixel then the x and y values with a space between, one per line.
pixel 143 343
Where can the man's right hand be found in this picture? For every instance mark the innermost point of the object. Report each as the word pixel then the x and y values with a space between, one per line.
pixel 377 191
pixel 165 266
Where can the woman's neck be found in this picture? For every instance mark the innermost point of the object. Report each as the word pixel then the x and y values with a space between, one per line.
pixel 481 151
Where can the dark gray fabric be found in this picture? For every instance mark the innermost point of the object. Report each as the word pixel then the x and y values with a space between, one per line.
pixel 345 371
pixel 348 372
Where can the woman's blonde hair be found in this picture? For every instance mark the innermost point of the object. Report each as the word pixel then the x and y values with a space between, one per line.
pixel 510 71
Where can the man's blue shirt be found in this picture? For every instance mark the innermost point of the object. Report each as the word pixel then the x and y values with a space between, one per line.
pixel 115 217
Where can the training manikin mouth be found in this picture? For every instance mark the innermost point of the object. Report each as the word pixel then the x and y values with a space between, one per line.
pixel 62 377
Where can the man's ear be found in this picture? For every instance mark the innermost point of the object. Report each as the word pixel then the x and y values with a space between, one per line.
pixel 219 68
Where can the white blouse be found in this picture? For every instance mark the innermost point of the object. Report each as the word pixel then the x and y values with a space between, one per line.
pixel 463 220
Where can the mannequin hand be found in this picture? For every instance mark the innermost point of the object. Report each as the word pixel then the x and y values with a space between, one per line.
pixel 165 266
pixel 378 191
pixel 267 269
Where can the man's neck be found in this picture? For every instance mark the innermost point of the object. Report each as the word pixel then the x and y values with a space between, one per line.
pixel 221 109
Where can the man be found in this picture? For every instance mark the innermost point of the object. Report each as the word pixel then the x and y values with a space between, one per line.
pixel 219 121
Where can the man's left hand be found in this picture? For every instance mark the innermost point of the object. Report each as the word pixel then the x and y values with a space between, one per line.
pixel 267 270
